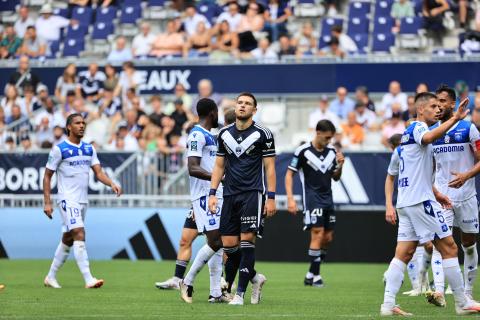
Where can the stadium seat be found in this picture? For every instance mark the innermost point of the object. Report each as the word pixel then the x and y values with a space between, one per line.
pixel 411 25
pixel 101 30
pixel 328 23
pixel 209 9
pixel 444 52
pixel 76 32
pixel 358 25
pixel 106 14
pixel 130 14
pixel 358 9
pixel 418 6
pixel 382 42
pixel 131 3
pixel 73 47
pixel 8 5
pixel 61 12
pixel 361 39
pixel 383 7
pixel 54 48
pixel 323 41
pixel 83 15
pixel 383 24
pixel 156 3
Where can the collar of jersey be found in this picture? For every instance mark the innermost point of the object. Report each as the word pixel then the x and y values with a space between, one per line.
pixel 73 144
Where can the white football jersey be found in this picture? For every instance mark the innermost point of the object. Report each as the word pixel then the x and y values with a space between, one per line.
pixel 393 167
pixel 72 163
pixel 202 144
pixel 455 152
pixel 415 170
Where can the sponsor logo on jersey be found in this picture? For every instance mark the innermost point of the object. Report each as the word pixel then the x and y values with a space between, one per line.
pixel 443 149
pixel 193 146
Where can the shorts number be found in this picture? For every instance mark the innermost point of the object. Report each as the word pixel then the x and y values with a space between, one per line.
pixel 440 216
pixel 74 212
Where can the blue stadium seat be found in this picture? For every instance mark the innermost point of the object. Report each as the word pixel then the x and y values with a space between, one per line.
pixel 156 3
pixel 418 6
pixel 383 7
pixel 358 25
pixel 101 30
pixel 383 24
pixel 61 12
pixel 130 14
pixel 361 39
pixel 106 14
pixel 209 9
pixel 358 9
pixel 76 32
pixel 54 47
pixel 324 40
pixel 411 25
pixel 382 42
pixel 444 52
pixel 328 23
pixel 8 5
pixel 131 3
pixel 83 15
pixel 306 2
pixel 73 47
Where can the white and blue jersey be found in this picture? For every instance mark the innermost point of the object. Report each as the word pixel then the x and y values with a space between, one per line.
pixel 455 152
pixel 202 144
pixel 415 172
pixel 394 166
pixel 72 164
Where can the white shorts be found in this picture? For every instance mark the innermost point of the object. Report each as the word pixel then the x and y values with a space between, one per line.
pixel 422 222
pixel 465 215
pixel 73 214
pixel 205 220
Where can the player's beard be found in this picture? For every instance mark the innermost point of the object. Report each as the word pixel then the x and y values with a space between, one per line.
pixel 243 117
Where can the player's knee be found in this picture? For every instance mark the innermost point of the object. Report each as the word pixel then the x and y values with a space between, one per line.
pixel 468 239
pixel 447 248
pixel 215 244
pixel 78 234
pixel 185 242
pixel 67 239
pixel 428 247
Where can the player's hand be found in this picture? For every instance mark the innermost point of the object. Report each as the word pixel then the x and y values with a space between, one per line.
pixel 340 158
pixel 212 203
pixel 391 215
pixel 48 210
pixel 116 189
pixel 443 200
pixel 462 110
pixel 270 208
pixel 292 206
pixel 459 180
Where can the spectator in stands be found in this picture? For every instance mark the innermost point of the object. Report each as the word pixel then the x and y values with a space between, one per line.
pixel 67 106
pixel 251 21
pixel 198 44
pixel 68 81
pixel 462 11
pixel 42 94
pixel 26 144
pixel 9 144
pixel 306 41
pixel 49 26
pixel 433 11
pixel 58 135
pixel 411 112
pixel 157 113
pixel 331 6
pixel 54 117
pixel 285 46
pixel 353 133
pixel 24 21
pixel 346 43
pixel 421 87
pixel 342 105
pixel 80 106
pixel 394 94
pixel 10 44
pixel 365 117
pixel 149 140
pixel 169 43
pixel 333 49
pixel 91 82
pixel 15 114
pixel 180 93
pixel 110 105
pixel 232 16
pixel 181 116
pixel 225 43
pixel 142 42
pixel 44 132
pixel 123 140
pixel 10 99
pixel 32 45
pixel 393 126
pixel 133 101
pixel 192 19
pixel 129 78
pixel 264 53
pixel 276 17
pixel 323 113
pixel 401 9
pixel 29 103
pixel 205 90
pixel 361 94
pixel 23 76
pixel 477 19
pixel 111 77
pixel 121 52
pixel 462 89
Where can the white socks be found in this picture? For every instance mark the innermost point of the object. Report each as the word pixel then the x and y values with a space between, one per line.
pixel 215 265
pixel 394 278
pixel 424 264
pixel 61 255
pixel 451 267
pixel 81 256
pixel 203 255
pixel 470 267
pixel 413 266
pixel 437 270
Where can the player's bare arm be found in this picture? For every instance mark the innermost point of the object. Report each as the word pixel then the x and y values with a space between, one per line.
pixel 47 201
pixel 103 178
pixel 195 170
pixel 270 206
pixel 291 203
pixel 439 131
pixel 462 177
pixel 217 174
pixel 338 171
pixel 390 213
pixel 442 199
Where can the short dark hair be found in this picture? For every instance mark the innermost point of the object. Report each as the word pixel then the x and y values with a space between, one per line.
pixel 248 94
pixel 31 27
pixel 70 120
pixel 450 91
pixel 337 28
pixel 230 116
pixel 325 126
pixel 424 96
pixel 394 140
pixel 205 106
pixel 334 40
pixel 363 89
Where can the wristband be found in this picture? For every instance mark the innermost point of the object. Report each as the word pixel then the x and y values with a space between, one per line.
pixel 212 192
pixel 271 195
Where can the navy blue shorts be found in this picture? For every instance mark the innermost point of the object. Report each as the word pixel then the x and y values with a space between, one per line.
pixel 242 213
pixel 319 218
pixel 189 221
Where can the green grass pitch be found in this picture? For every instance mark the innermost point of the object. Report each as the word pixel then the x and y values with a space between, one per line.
pixel 352 291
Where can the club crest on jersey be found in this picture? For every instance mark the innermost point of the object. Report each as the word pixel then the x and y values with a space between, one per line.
pixel 238 150
pixel 458 136
pixel 447 139
pixel 269 144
